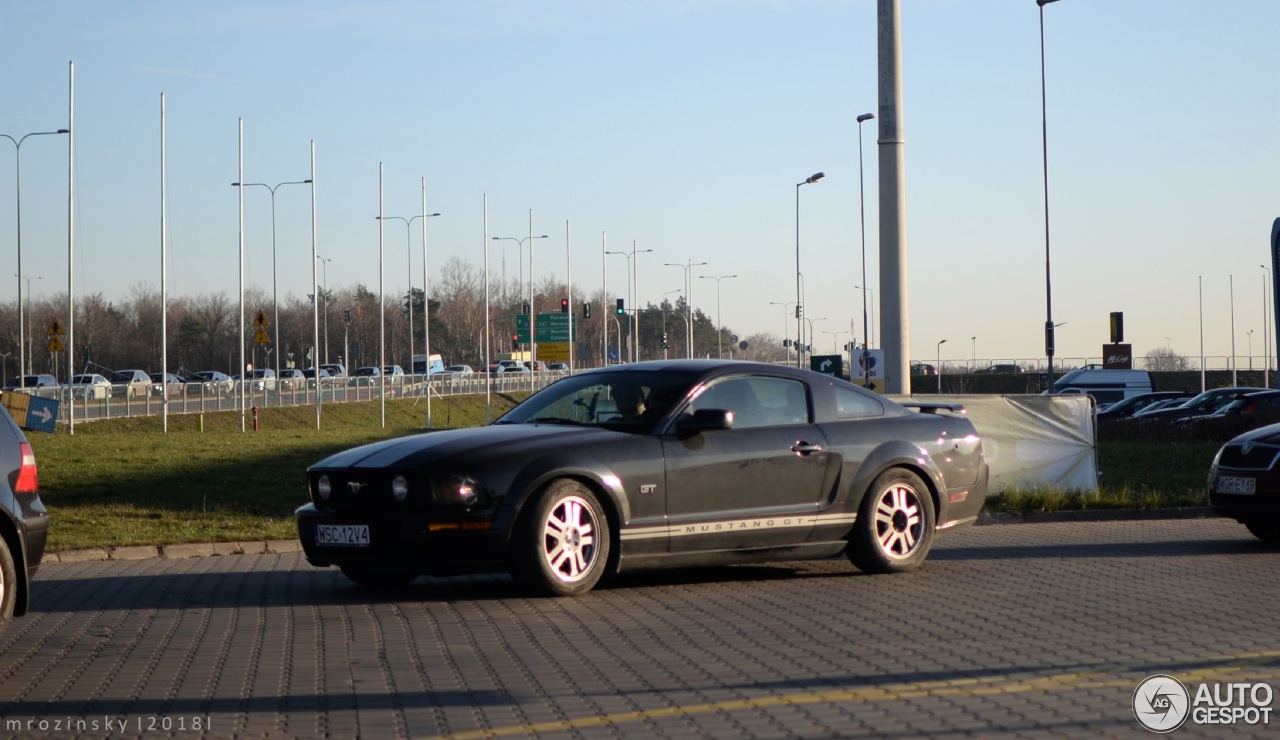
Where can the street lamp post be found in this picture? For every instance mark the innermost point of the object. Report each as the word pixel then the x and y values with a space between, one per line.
pixel 1266 328
pixel 862 215
pixel 324 268
pixel 719 323
pixel 785 331
pixel 811 332
pixel 939 361
pixel 664 319
pixel 408 250
pixel 632 280
pixel 275 303
pixel 1044 137
pixel 799 301
pixel 973 353
pixel 17 172
pixel 30 342
pixel 688 301
pixel 519 246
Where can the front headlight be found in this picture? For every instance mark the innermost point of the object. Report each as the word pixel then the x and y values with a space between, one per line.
pixel 399 488
pixel 459 490
pixel 324 487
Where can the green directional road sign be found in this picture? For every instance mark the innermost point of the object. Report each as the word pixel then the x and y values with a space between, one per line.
pixel 551 327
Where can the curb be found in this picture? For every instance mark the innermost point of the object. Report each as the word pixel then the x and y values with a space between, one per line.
pixel 174 552
pixel 1095 515
pixel 276 547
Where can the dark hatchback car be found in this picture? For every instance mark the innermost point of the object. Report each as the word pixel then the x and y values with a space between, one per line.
pixel 1244 481
pixel 653 465
pixel 1134 404
pixel 24 523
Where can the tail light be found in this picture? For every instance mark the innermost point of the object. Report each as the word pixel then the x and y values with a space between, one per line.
pixel 28 476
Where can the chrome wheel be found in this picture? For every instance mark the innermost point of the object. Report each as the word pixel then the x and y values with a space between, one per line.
pixel 895 524
pixel 569 539
pixel 561 547
pixel 899 525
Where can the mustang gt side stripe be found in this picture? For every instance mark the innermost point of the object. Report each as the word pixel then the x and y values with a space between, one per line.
pixel 733 525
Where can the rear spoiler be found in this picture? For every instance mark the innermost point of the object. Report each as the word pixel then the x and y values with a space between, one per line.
pixel 931 407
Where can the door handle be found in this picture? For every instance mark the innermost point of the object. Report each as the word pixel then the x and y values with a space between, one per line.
pixel 804 448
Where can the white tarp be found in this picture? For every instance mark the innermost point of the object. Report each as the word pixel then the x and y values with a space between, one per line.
pixel 1034 441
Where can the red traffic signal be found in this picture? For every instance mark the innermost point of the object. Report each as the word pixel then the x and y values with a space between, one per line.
pixel 564 305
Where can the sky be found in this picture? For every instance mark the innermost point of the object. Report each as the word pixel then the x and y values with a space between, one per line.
pixel 677 127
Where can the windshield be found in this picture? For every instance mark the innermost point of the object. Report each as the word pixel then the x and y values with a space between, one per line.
pixel 618 400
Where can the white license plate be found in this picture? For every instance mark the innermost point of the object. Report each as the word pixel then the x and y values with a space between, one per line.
pixel 1236 484
pixel 342 535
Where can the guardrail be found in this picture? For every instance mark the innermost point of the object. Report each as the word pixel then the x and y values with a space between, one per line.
pixel 199 398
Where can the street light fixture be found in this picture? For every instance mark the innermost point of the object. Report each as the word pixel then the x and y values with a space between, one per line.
pixel 324 268
pixel 1044 137
pixel 1266 327
pixel 719 324
pixel 408 250
pixel 862 215
pixel 688 308
pixel 664 319
pixel 17 171
pixel 799 301
pixel 785 305
pixel 520 255
pixel 30 342
pixel 275 303
pixel 939 361
pixel 811 332
pixel 632 280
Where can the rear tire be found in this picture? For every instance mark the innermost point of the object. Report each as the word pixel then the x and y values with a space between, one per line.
pixel 895 524
pixel 1267 530
pixel 8 583
pixel 562 547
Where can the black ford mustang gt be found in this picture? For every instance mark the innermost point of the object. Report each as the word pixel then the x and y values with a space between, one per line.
pixel 651 465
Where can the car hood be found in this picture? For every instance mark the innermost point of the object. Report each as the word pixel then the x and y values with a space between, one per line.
pixel 465 446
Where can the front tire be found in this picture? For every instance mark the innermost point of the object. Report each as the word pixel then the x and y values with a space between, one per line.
pixel 1267 530
pixel 895 524
pixel 562 548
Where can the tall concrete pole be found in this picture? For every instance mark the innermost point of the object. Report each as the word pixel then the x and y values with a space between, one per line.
pixel 894 321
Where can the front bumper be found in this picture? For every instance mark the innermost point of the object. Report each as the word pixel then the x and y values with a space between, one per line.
pixel 406 543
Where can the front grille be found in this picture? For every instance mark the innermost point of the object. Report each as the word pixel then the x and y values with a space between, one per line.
pixel 1259 457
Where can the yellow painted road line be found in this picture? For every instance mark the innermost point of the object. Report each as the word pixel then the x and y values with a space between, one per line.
pixel 1189 671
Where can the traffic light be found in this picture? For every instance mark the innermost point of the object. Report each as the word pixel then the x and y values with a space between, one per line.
pixel 786 343
pixel 798 314
pixel 586 310
pixel 664 341
pixel 526 308
pixel 622 308
pixel 564 305
pixel 1117 327
pixel 515 341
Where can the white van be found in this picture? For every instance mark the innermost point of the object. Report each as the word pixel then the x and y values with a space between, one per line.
pixel 422 365
pixel 1106 386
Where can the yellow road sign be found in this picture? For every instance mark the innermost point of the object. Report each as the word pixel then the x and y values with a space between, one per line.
pixel 261 337
pixel 55 329
pixel 55 344
pixel 261 320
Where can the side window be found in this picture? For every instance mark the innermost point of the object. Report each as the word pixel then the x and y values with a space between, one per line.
pixel 757 401
pixel 852 404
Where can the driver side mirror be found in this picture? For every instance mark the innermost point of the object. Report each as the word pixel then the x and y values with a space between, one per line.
pixel 704 420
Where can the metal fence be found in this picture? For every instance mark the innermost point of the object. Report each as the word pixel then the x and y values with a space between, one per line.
pixel 121 401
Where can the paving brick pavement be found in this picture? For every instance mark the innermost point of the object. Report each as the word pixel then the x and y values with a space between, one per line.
pixel 1010 631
